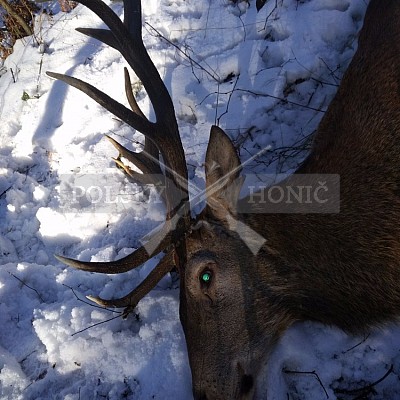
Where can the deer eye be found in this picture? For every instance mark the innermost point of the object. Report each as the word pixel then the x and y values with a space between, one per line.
pixel 206 277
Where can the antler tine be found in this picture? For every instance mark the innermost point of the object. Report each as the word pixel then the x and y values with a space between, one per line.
pixel 142 160
pixel 116 108
pixel 146 160
pixel 158 242
pixel 129 94
pixel 131 299
pixel 150 167
pixel 150 150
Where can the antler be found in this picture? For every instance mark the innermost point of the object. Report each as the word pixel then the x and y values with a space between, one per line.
pixel 161 137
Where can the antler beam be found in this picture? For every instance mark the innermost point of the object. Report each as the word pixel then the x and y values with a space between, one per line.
pixel 161 137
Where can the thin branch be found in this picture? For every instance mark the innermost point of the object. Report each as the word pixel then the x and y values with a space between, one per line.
pixel 29 287
pixel 13 76
pixel 279 98
pixel 308 373
pixel 268 16
pixel 5 191
pixel 158 34
pixel 89 303
pixel 262 94
pixel 120 314
pixel 366 389
pixel 96 324
pixel 356 345
pixel 229 100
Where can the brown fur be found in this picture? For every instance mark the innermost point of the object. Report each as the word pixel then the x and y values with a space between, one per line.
pixel 340 269
pixel 247 274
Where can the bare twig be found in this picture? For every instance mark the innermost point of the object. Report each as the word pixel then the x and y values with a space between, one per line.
pixel 5 191
pixel 280 99
pixel 158 34
pixel 90 303
pixel 29 287
pixel 268 16
pixel 119 313
pixel 356 345
pixel 308 373
pixel 96 324
pixel 332 71
pixel 229 100
pixel 361 392
pixel 262 94
pixel 13 76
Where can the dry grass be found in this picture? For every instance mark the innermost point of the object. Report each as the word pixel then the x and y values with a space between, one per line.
pixel 18 17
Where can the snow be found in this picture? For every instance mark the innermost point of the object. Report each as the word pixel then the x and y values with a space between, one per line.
pixel 53 142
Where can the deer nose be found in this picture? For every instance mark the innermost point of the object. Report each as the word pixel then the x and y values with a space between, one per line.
pixel 199 395
pixel 246 384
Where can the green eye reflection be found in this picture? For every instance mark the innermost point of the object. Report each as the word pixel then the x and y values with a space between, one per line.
pixel 206 277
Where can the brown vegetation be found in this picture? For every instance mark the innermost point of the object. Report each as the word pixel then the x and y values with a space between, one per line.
pixel 18 19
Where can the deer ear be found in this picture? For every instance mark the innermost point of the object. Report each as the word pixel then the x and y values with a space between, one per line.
pixel 223 181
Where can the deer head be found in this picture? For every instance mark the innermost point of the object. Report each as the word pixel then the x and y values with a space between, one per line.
pixel 248 273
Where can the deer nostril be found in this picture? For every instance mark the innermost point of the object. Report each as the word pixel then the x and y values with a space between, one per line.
pixel 199 395
pixel 246 381
pixel 246 384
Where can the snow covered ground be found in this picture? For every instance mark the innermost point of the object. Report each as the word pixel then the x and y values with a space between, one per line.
pixel 266 78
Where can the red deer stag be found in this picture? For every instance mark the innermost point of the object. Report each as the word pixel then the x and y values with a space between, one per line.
pixel 337 268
